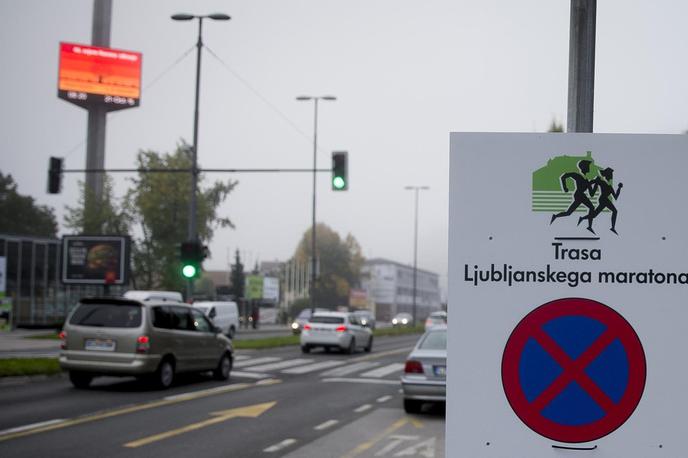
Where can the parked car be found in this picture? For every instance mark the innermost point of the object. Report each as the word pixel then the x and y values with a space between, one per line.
pixel 150 339
pixel 339 330
pixel 425 372
pixel 224 315
pixel 302 318
pixel 435 318
pixel 366 317
pixel 402 319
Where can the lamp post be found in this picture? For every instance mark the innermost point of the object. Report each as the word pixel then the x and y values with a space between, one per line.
pixel 315 99
pixel 193 229
pixel 416 189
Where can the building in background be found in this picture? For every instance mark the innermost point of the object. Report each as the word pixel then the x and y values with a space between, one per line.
pixel 389 285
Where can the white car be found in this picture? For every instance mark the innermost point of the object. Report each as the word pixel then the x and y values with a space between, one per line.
pixel 336 330
pixel 436 319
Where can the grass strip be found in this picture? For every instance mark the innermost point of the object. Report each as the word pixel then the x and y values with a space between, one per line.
pixel 13 367
pixel 399 331
pixel 268 342
pixel 51 336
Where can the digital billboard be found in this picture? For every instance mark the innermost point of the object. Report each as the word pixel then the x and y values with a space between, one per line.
pixel 91 75
pixel 95 260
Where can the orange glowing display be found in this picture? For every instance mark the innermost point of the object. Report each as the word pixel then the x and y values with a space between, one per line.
pixel 91 75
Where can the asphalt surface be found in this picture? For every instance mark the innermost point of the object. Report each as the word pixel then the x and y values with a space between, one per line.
pixel 277 402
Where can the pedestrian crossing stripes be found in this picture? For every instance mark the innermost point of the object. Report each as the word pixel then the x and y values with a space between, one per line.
pixel 267 366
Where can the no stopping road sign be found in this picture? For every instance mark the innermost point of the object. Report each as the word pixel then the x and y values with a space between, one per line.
pixel 573 370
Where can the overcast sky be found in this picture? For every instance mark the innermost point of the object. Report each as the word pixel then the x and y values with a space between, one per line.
pixel 406 73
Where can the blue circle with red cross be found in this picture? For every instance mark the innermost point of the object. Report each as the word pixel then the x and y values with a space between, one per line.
pixel 573 370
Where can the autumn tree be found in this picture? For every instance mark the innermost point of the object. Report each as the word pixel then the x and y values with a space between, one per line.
pixel 339 261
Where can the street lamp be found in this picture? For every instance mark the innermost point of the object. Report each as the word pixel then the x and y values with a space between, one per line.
pixel 315 99
pixel 193 230
pixel 416 189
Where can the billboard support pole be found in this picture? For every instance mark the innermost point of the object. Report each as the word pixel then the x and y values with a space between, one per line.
pixel 95 143
pixel 581 66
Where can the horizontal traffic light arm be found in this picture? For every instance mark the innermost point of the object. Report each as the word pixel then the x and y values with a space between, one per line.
pixel 189 170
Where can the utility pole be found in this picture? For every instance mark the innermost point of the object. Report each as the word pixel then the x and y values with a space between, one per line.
pixel 581 66
pixel 415 189
pixel 97 117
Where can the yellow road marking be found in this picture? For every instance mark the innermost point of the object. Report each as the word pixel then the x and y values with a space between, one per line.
pixel 366 445
pixel 417 423
pixel 136 408
pixel 253 411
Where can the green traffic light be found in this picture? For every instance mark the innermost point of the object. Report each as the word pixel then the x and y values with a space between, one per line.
pixel 189 271
pixel 338 182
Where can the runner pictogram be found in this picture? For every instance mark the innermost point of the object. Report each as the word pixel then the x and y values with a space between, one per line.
pixel 573 370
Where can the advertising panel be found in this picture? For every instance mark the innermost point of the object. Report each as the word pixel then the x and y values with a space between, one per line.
pixel 91 75
pixel 567 286
pixel 271 289
pixel 95 260
pixel 254 287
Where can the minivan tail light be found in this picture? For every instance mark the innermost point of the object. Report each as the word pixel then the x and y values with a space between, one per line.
pixel 63 339
pixel 142 344
pixel 306 327
pixel 413 367
pixel 341 328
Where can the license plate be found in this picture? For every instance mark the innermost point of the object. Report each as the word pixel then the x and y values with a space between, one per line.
pixel 440 371
pixel 100 344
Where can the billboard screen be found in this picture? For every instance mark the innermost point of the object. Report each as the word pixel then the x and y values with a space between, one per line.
pixel 95 260
pixel 91 75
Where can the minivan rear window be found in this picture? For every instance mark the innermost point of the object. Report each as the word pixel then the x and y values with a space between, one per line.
pixel 107 315
pixel 327 319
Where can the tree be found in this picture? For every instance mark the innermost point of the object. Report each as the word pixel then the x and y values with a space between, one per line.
pixel 339 260
pixel 21 215
pixel 237 277
pixel 159 205
pixel 556 126
pixel 107 216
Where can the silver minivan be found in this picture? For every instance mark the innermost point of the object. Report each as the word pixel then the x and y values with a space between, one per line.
pixel 155 340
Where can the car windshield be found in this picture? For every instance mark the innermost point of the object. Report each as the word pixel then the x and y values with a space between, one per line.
pixel 202 309
pixel 107 315
pixel 327 319
pixel 435 340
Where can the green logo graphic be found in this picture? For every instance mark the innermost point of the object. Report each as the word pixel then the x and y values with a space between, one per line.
pixel 569 184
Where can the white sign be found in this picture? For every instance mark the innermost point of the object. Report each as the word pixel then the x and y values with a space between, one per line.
pixel 271 289
pixel 567 290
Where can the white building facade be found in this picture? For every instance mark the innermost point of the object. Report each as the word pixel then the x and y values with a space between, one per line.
pixel 390 285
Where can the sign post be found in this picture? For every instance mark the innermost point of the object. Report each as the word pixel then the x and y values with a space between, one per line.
pixel 567 287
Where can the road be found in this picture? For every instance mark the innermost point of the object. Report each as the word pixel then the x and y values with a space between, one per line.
pixel 277 402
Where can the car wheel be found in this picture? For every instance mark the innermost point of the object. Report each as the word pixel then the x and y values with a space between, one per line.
pixel 352 346
pixel 306 348
pixel 327 349
pixel 223 367
pixel 369 347
pixel 412 405
pixel 164 376
pixel 80 380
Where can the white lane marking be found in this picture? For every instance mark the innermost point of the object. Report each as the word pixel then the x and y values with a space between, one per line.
pixel 252 375
pixel 325 425
pixel 31 426
pixel 384 398
pixel 341 371
pixel 279 365
pixel 363 408
pixel 277 447
pixel 241 357
pixel 373 381
pixel 252 362
pixel 385 370
pixel 312 367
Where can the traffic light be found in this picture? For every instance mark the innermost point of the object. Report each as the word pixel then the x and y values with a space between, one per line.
pixel 340 179
pixel 55 175
pixel 191 255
